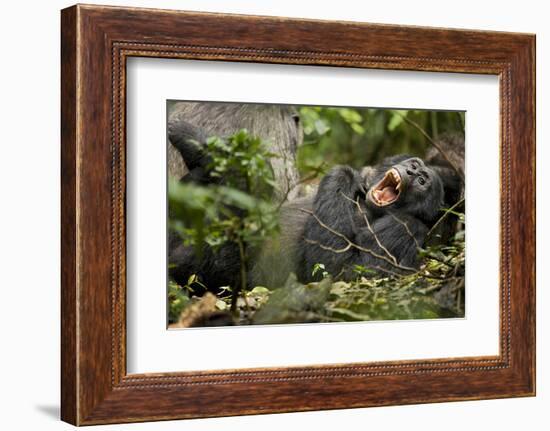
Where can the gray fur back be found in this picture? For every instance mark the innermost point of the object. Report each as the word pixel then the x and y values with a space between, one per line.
pixel 276 124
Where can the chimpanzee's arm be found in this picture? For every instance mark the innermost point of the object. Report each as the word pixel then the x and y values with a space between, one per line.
pixel 336 218
pixel 334 204
pixel 190 141
pixel 400 235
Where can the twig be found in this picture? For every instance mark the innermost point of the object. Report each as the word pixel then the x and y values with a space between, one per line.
pixel 356 202
pixel 458 263
pixel 434 143
pixel 416 273
pixel 447 264
pixel 352 244
pixel 289 189
pixel 326 247
pixel 447 211
pixel 406 226
pixel 395 274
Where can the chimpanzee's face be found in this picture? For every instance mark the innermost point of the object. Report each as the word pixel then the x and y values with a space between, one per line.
pixel 409 186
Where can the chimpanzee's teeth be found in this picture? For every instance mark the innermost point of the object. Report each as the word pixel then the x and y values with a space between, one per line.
pixel 393 175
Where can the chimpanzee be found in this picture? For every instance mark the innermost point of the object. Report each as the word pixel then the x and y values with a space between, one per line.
pixel 278 126
pixel 189 126
pixel 376 219
pixel 377 223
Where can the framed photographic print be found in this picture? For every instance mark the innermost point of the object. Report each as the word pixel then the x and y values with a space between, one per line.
pixel 267 215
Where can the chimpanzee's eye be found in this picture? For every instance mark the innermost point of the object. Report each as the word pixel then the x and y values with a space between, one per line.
pixel 421 180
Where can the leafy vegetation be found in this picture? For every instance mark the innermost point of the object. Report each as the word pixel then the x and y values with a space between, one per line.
pixel 363 136
pixel 241 212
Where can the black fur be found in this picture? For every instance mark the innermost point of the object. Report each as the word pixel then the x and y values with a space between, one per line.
pixel 399 228
pixel 190 140
pixel 213 267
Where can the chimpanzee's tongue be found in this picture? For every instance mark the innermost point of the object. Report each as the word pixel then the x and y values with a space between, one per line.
pixel 387 194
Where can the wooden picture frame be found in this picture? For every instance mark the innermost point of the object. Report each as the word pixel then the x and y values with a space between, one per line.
pixel 95 43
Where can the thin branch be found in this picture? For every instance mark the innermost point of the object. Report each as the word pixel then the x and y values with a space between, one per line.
pixel 352 244
pixel 327 248
pixel 447 212
pixel 434 143
pixel 416 273
pixel 289 189
pixel 369 227
pixel 288 181
pixel 458 264
pixel 406 226
pixel 447 264
pixel 387 271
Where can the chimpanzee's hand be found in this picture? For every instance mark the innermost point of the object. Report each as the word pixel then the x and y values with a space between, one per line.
pixel 343 180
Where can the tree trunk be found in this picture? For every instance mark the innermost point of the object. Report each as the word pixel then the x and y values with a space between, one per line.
pixel 277 125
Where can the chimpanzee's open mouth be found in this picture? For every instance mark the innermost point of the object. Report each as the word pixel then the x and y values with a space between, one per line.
pixel 387 191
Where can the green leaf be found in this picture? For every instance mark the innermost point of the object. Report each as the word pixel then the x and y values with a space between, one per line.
pixel 350 115
pixel 357 128
pixel 321 127
pixel 395 120
pixel 260 290
pixel 319 267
